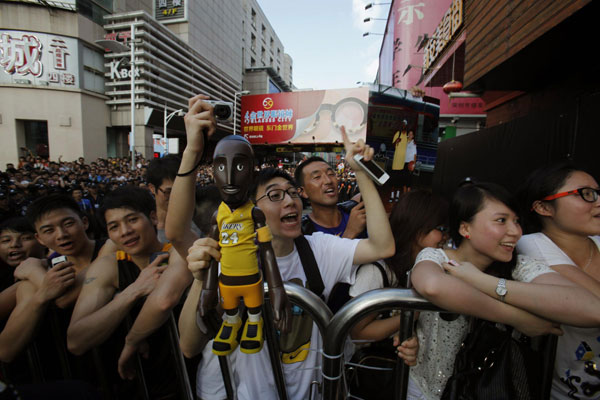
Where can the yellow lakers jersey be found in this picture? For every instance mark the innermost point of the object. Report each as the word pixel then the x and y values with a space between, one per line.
pixel 236 238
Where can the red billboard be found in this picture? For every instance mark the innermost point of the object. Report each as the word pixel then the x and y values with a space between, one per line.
pixel 305 117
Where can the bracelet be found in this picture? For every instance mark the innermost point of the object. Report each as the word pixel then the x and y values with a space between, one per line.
pixel 191 170
pixel 201 157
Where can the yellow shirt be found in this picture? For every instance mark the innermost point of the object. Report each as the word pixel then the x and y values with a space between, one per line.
pixel 400 150
pixel 237 240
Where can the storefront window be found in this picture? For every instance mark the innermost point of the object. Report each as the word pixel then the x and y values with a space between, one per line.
pixel 36 137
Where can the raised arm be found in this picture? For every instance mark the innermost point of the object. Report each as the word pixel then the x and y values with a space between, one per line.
pixel 380 243
pixel 454 295
pixel 198 120
pixel 549 295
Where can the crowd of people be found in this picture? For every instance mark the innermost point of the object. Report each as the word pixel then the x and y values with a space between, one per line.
pixel 99 263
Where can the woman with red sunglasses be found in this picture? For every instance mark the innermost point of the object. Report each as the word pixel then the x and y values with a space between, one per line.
pixel 562 217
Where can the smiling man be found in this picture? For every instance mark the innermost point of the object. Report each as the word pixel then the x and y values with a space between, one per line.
pixel 129 285
pixel 277 195
pixel 320 186
pixel 60 227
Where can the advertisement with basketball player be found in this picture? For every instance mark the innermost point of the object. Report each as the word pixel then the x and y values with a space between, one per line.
pixel 305 117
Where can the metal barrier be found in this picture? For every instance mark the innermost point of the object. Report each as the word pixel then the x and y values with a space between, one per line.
pixel 352 312
pixel 309 302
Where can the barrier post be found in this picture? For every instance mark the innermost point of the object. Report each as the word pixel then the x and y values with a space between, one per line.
pixel 309 302
pixel 346 318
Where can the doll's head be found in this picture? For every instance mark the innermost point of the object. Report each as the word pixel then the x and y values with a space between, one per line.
pixel 233 164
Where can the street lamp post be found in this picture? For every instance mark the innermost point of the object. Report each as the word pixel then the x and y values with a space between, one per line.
pixel 118 47
pixel 243 92
pixel 370 5
pixel 166 120
pixel 132 76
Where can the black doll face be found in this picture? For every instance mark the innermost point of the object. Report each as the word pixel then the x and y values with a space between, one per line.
pixel 234 170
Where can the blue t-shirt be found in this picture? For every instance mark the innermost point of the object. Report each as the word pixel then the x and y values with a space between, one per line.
pixel 338 230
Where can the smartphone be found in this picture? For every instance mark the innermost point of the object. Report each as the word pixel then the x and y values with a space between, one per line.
pixel 372 169
pixel 58 260
pixel 158 253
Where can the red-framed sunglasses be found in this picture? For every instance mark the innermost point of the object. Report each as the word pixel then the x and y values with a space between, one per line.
pixel 587 194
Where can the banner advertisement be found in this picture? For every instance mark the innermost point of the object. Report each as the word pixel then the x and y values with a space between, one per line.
pixel 307 117
pixel 409 20
pixel 462 106
pixel 34 58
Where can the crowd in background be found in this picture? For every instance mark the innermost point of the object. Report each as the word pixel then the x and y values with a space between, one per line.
pixel 461 255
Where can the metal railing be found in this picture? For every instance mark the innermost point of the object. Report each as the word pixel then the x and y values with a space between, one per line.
pixel 309 302
pixel 334 330
pixel 354 311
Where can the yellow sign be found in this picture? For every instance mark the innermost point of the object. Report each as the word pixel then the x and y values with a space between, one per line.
pixel 444 32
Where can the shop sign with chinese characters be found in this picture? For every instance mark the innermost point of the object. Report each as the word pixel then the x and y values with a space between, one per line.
pixel 38 59
pixel 444 33
pixel 307 117
pixel 170 10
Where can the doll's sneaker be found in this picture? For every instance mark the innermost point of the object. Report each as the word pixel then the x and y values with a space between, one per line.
pixel 252 338
pixel 226 340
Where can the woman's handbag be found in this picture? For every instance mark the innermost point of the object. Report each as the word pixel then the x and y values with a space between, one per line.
pixel 494 363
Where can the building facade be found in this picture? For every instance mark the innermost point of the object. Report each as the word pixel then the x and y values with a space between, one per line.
pixel 422 50
pixel 64 94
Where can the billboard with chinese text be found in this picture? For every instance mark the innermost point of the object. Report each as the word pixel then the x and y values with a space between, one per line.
pixel 38 59
pixel 409 20
pixel 167 11
pixel 305 117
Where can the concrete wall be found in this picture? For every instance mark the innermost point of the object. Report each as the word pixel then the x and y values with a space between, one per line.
pixel 76 121
pixel 215 31
pixel 96 118
pixel 20 16
pixel 257 82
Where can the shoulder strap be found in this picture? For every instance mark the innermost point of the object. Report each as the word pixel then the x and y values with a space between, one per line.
pixel 386 281
pixel 309 264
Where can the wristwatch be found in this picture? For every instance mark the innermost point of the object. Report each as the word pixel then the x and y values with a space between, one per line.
pixel 501 289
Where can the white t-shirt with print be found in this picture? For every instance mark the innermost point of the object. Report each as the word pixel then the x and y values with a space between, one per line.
pixel 578 347
pixel 253 372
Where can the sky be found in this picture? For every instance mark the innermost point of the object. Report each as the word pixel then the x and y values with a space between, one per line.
pixel 325 40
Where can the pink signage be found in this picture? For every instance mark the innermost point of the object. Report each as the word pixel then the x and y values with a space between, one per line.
pixel 411 19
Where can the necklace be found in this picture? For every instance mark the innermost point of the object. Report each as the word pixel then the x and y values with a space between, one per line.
pixel 589 261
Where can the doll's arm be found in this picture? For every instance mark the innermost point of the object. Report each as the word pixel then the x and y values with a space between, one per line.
pixel 281 306
pixel 208 297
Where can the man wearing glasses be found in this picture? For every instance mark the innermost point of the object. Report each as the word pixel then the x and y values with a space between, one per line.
pixel 160 175
pixel 277 196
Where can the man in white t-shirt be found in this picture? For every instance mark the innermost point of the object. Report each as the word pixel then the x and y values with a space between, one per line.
pixel 278 197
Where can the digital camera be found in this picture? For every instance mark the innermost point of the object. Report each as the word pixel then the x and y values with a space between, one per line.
pixel 223 109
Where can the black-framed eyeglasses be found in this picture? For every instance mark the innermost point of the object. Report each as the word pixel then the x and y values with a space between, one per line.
pixel 277 195
pixel 587 194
